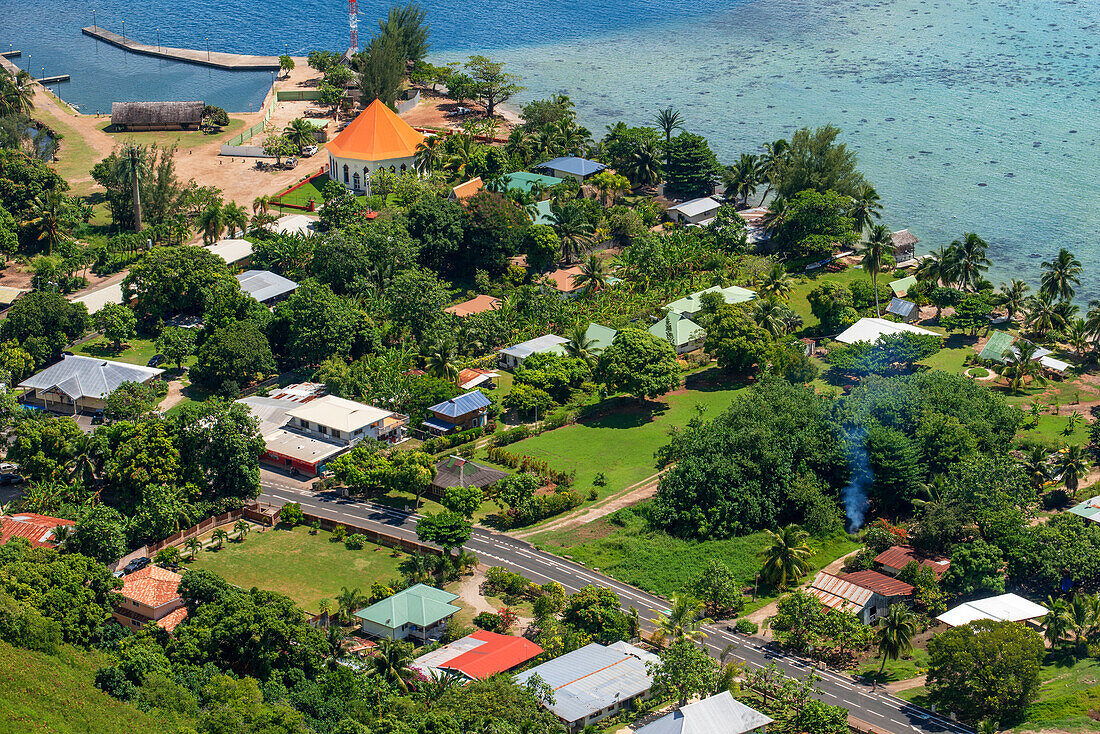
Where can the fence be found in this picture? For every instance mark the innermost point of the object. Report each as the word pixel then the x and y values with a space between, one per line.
pixel 210 522
pixel 257 128
pixel 245 151
pixel 307 95
pixel 404 105
pixel 306 208
pixel 446 132
pixel 390 541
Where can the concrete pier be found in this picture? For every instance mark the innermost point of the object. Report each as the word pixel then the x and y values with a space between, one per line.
pixel 11 54
pixel 53 79
pixel 216 59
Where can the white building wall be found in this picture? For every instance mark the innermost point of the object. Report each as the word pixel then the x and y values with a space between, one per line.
pixel 358 172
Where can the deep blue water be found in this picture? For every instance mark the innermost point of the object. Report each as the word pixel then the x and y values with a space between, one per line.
pixel 968 115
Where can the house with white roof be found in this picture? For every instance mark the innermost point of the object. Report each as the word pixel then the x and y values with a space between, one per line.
pixel 719 714
pixel 77 383
pixel 232 250
pixel 699 211
pixel 266 287
pixel 513 356
pixel 595 681
pixel 97 299
pixel 1003 608
pixel 347 421
pixel 872 329
pixel 573 167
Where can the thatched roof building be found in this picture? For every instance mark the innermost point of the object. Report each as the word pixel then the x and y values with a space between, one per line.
pixel 156 115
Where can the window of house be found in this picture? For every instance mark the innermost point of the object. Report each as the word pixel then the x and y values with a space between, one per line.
pixel 335 433
pixel 323 429
pixel 355 180
pixel 305 424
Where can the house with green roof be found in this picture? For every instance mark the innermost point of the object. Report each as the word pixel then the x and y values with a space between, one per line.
pixel 690 306
pixel 686 335
pixel 415 612
pixel 526 182
pixel 902 286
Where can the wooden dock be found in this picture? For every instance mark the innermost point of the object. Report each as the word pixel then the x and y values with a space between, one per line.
pixel 216 59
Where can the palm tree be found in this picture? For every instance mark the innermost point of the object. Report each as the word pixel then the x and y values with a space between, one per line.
pixel 1043 315
pixel 573 228
pixel 775 217
pixel 391 661
pixel 1060 276
pixel 16 94
pixel 742 178
pixel 592 277
pixel 48 210
pixel 219 537
pixel 460 155
pixel 440 362
pixel 212 223
pixel 465 562
pixel 235 218
pixel 682 621
pixel 775 156
pixel 325 608
pixel 1013 297
pixel 644 167
pixel 135 167
pixel 300 134
pixel 777 283
pixel 429 154
pixel 1071 464
pixel 866 207
pixel 1074 420
pixel 433 689
pixel 668 120
pixel 1036 466
pixel 242 528
pixel 938 268
pixel 336 641
pixel 261 204
pixel 348 603
pixel 1021 363
pixel 970 260
pixel 770 316
pixel 1077 335
pixel 580 346
pixel 194 545
pixel 877 257
pixel 1056 623
pixel 62 534
pixel 786 556
pixel 895 633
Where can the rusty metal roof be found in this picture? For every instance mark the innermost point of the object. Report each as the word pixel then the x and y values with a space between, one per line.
pixel 834 592
pixel 899 556
pixel 878 582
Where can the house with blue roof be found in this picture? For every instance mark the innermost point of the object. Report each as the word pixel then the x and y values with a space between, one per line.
pixel 573 167
pixel 458 414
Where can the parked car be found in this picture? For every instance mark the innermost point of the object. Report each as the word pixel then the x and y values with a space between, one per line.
pixel 309 150
pixel 290 162
pixel 9 479
pixel 136 565
pixel 155 361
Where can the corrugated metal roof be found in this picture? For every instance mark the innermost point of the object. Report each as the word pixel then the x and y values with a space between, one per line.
pixel 263 285
pixel 38 529
pixel 573 165
pixel 901 307
pixel 899 556
pixel 835 590
pixel 877 582
pixel 719 714
pixel 480 655
pixel 696 207
pixel 88 377
pixel 901 286
pixel 420 605
pixel 1089 509
pixel 872 329
pixel 693 303
pixel 1003 608
pixel 463 404
pixel 594 677
pixel 544 343
pixel 684 329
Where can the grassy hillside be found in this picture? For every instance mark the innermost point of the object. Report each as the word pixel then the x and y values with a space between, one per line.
pixel 41 694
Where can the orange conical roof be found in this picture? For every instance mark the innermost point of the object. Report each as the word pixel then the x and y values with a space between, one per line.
pixel 377 134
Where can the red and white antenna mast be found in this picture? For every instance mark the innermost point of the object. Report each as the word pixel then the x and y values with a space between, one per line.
pixel 353 24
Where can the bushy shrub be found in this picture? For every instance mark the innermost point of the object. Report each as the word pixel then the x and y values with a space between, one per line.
pixel 511 436
pixel 746 627
pixel 502 582
pixel 339 533
pixel 442 443
pixel 355 541
pixel 487 621
pixel 291 514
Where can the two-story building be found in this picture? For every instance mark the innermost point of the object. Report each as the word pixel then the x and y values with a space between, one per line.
pixel 346 421
pixel 150 596
pixel 459 414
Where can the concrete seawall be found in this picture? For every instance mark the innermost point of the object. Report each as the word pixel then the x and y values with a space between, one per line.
pixel 216 59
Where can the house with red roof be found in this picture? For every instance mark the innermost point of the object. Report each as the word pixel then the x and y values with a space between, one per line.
pixel 150 596
pixel 38 529
pixel 478 656
pixel 867 594
pixel 377 138
pixel 894 559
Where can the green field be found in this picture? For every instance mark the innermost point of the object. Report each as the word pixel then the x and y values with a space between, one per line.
pixel 181 139
pixel 622 443
pixel 623 546
pixel 43 694
pixel 305 567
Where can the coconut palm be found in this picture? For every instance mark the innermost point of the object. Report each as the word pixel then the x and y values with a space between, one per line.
pixel 777 283
pixel 219 537
pixel 1057 625
pixel 742 178
pixel 1022 363
pixel 969 260
pixel 682 621
pixel 877 257
pixel 644 166
pixel 242 527
pixel 434 688
pixel 1075 419
pixel 1077 335
pixel 336 642
pixel 771 163
pixel 440 362
pixel 938 268
pixel 580 346
pixel 262 204
pixel 261 224
pixel 391 661
pixel 16 94
pixel 63 535
pixel 235 218
pixel 1060 276
pixel 667 121
pixel 770 316
pixel 300 134
pixel 592 277
pixel 212 223
pixel 1043 315
pixel 573 228
pixel 326 608
pixel 459 155
pixel 48 218
pixel 429 154
pixel 348 602
pixel 895 633
pixel 1013 297
pixel 866 207
pixel 1036 465
pixel 1070 464
pixel 785 556
pixel 775 217
pixel 194 545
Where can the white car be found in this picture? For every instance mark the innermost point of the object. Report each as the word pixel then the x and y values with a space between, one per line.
pixel 309 150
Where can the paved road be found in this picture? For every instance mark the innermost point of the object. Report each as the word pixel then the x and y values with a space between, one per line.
pixel 882 710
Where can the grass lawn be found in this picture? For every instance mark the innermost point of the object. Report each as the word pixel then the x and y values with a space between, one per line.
pixel 1051 430
pixel 75 156
pixel 904 668
pixel 310 190
pixel 621 444
pixel 134 351
pixel 623 546
pixel 181 139
pixel 305 567
pixel 803 284
pixel 45 694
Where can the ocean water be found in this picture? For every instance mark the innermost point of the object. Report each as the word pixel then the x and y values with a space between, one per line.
pixel 967 115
